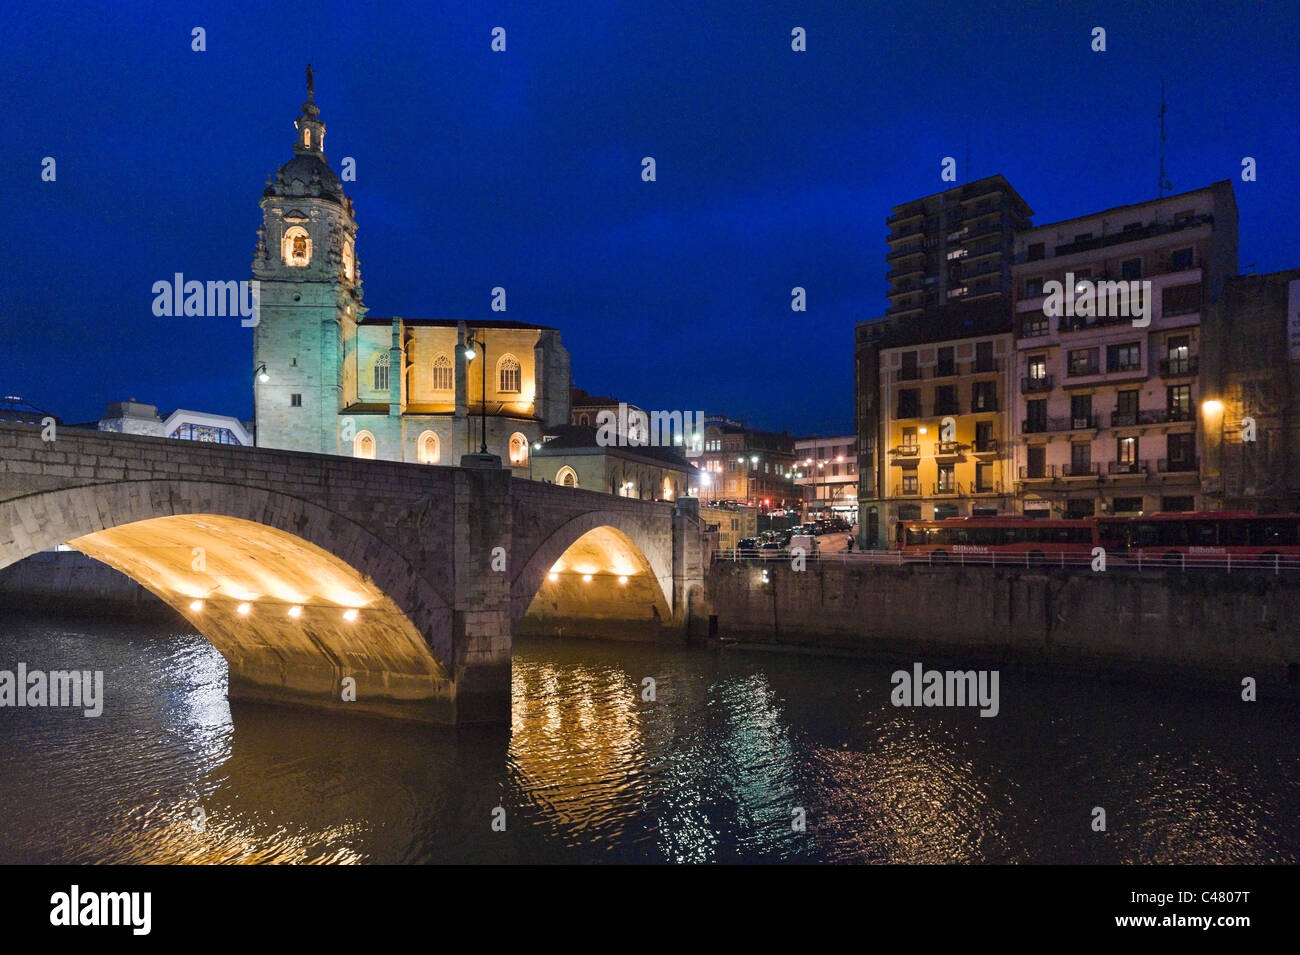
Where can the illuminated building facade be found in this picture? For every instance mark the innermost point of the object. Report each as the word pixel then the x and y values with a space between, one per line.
pixel 330 379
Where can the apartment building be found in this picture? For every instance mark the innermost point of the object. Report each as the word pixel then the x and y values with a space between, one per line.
pixel 745 464
pixel 1109 317
pixel 827 470
pixel 953 245
pixel 941 447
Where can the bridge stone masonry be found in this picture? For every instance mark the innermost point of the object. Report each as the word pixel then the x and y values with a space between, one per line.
pixel 370 586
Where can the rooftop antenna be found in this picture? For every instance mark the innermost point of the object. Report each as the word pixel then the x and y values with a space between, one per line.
pixel 1164 180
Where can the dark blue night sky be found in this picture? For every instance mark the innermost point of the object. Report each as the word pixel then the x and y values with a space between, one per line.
pixel 477 169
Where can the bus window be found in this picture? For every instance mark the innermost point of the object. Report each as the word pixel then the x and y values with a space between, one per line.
pixel 1172 533
pixel 1276 533
pixel 1234 533
pixel 1146 535
pixel 1201 534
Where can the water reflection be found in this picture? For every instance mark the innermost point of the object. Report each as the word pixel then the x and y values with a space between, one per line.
pixel 716 767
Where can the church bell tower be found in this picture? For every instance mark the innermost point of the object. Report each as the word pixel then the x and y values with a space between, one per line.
pixel 310 296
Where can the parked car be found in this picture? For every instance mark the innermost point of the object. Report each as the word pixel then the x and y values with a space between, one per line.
pixel 772 548
pixel 747 546
pixel 807 541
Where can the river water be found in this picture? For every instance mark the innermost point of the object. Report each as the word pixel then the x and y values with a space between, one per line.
pixel 732 751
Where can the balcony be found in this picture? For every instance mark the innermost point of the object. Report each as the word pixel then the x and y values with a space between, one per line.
pixel 902 270
pixel 1138 468
pixel 1047 425
pixel 1044 473
pixel 1073 470
pixel 903 491
pixel 1032 385
pixel 907 374
pixel 904 253
pixel 985 367
pixel 983 407
pixel 903 216
pixel 993 488
pixel 945 489
pixel 1078 323
pixel 1179 367
pixel 945 370
pixel 942 408
pixel 908 411
pixel 1149 416
pixel 987 446
pixel 948 449
pixel 1181 466
pixel 902 231
pixel 1083 370
pixel 906 451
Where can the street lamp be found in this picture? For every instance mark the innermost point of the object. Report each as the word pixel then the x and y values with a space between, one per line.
pixel 261 373
pixel 469 356
pixel 537 446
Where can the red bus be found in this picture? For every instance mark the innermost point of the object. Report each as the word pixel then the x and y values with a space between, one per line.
pixel 1186 539
pixel 1022 539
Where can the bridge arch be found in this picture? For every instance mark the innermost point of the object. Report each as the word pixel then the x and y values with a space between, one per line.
pixel 207 547
pixel 607 554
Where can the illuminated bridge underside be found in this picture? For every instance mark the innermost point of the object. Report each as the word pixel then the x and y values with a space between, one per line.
pixel 207 566
pixel 414 550
pixel 603 586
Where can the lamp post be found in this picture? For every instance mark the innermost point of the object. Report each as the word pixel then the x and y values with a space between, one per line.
pixel 537 446
pixel 469 356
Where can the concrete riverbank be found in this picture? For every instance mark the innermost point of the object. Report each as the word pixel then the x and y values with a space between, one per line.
pixel 1208 627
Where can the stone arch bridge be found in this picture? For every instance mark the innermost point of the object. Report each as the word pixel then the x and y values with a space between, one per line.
pixel 307 569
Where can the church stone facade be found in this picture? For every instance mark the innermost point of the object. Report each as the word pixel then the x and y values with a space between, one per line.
pixel 334 380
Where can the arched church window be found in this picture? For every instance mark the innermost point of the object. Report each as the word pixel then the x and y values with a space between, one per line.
pixel 508 371
pixel 518 449
pixel 381 372
pixel 306 136
pixel 566 477
pixel 429 449
pixel 363 446
pixel 296 248
pixel 443 374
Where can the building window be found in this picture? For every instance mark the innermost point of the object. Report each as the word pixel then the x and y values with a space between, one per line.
pixel 1080 459
pixel 1181 451
pixel 946 365
pixel 1177 504
pixel 1179 402
pixel 1036 367
pixel 428 449
pixel 566 477
pixel 1127 505
pixel 363 446
pixel 381 372
pixel 1181 259
pixel 910 371
pixel 1081 411
pixel 1125 357
pixel 1131 269
pixel 909 482
pixel 984 396
pixel 909 403
pixel 295 250
pixel 1082 361
pixel 909 439
pixel 295 401
pixel 444 376
pixel 945 400
pixel 1126 452
pixel 909 512
pixel 1035 251
pixel 518 450
pixel 983 478
pixel 944 511
pixel 947 479
pixel 1036 416
pixel 1036 461
pixel 1033 287
pixel 509 374
pixel 1078 507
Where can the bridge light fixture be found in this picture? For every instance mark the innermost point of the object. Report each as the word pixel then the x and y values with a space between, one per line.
pixel 586 578
pixel 196 605
pixel 350 614
pixel 261 373
pixel 622 580
pixel 295 611
pixel 244 609
pixel 552 576
pixel 765 578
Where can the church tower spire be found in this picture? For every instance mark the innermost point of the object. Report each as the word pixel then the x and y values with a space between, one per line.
pixel 311 131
